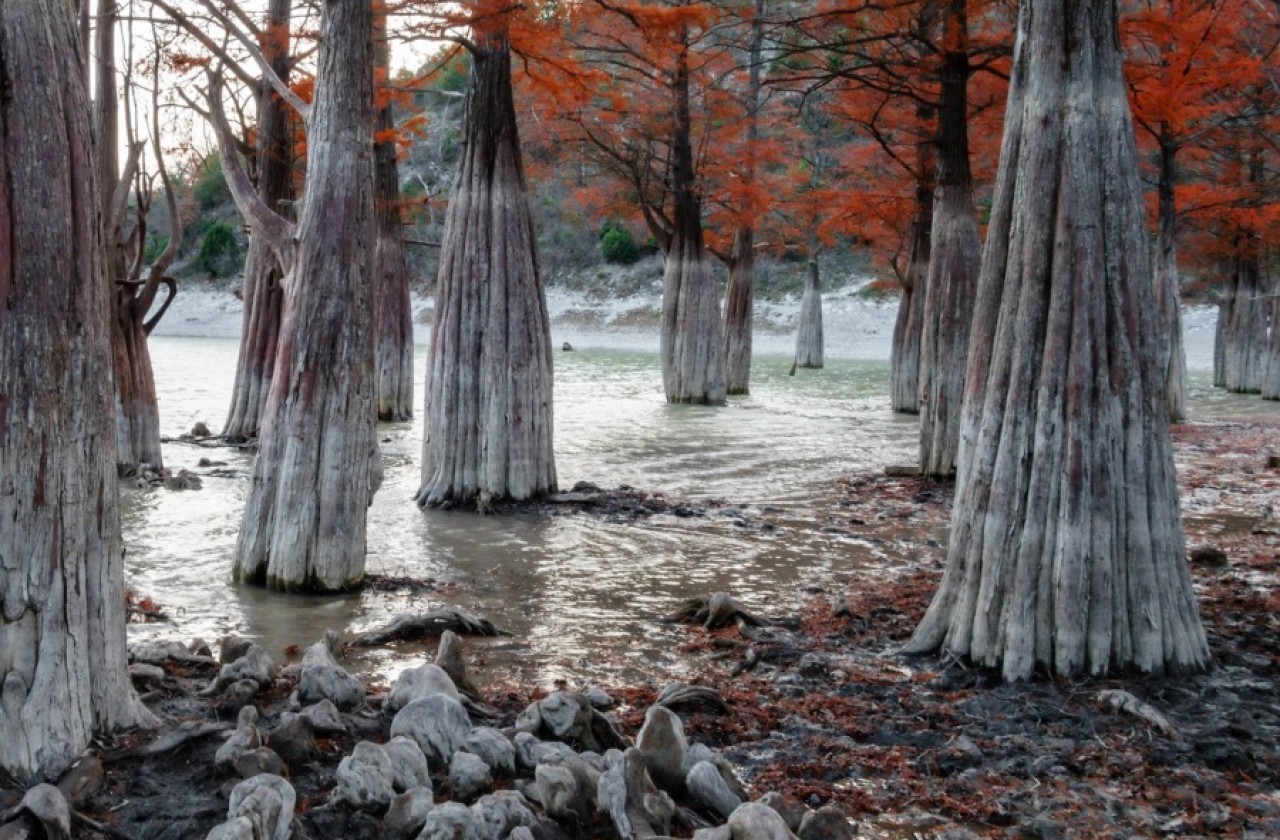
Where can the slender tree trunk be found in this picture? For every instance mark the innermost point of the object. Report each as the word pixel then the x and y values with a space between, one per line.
pixel 1220 343
pixel 739 304
pixel 318 464
pixel 954 260
pixel 263 290
pixel 904 358
pixel 691 342
pixel 1067 552
pixel 488 413
pixel 392 309
pixel 1271 379
pixel 63 670
pixel 1168 287
pixel 809 343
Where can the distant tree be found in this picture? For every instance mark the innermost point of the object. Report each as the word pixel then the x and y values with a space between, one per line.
pixel 63 670
pixel 488 418
pixel 1067 553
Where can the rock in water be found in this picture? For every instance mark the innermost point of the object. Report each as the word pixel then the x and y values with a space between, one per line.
pixel 267 801
pixel 469 776
pixel 324 679
pixel 826 823
pixel 449 821
pixel 663 744
pixel 231 648
pixel 439 724
pixel 754 821
pixel 708 788
pixel 408 814
pixel 417 683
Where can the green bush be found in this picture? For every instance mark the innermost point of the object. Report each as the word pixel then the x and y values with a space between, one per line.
pixel 155 247
pixel 219 251
pixel 210 185
pixel 617 244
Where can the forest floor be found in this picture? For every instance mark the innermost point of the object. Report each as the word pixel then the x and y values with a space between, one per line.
pixel 828 711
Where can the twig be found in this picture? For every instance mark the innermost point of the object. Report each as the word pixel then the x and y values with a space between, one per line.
pixel 102 828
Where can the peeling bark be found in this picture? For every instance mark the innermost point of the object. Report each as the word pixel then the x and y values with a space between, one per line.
pixel 263 289
pixel 392 309
pixel 304 525
pixel 488 411
pixel 809 344
pixel 691 343
pixel 954 260
pixel 63 669
pixel 1067 552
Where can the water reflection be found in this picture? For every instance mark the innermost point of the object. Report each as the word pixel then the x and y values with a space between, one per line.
pixel 580 594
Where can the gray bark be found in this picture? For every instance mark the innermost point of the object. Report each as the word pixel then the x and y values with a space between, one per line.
pixel 739 294
pixel 809 344
pixel 1271 378
pixel 1168 287
pixel 954 260
pixel 63 669
pixel 1067 552
pixel 488 413
pixel 904 356
pixel 1243 322
pixel 392 310
pixel 263 291
pixel 691 343
pixel 304 525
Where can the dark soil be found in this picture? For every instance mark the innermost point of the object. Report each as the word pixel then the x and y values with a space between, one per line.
pixel 908 747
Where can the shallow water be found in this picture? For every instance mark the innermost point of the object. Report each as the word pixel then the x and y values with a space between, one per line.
pixel 580 595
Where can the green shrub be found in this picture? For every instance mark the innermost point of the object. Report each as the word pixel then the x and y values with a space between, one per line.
pixel 210 185
pixel 155 247
pixel 219 251
pixel 617 244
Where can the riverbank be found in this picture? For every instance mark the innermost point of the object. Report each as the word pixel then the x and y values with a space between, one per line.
pixel 824 711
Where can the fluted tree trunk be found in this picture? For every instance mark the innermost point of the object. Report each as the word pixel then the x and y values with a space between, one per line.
pixel 904 355
pixel 392 309
pixel 488 413
pixel 954 259
pixel 691 342
pixel 1168 287
pixel 739 294
pixel 63 667
pixel 305 516
pixel 1067 553
pixel 1271 377
pixel 263 289
pixel 1243 322
pixel 809 341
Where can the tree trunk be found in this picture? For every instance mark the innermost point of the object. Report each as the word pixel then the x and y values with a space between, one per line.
pixel 1220 343
pixel 392 310
pixel 1168 287
pixel 262 290
pixel 1247 314
pixel 739 302
pixel 691 342
pixel 318 464
pixel 954 261
pixel 488 425
pixel 739 294
pixel 63 670
pixel 1067 552
pixel 904 357
pixel 1271 380
pixel 809 343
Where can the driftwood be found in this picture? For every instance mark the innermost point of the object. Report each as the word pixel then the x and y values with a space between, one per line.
pixel 170 741
pixel 1123 701
pixel 720 609
pixel 407 627
pixel 692 698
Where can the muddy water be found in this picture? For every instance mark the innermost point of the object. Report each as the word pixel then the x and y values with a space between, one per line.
pixel 580 595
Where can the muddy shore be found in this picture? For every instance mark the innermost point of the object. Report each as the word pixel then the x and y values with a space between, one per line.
pixel 824 710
